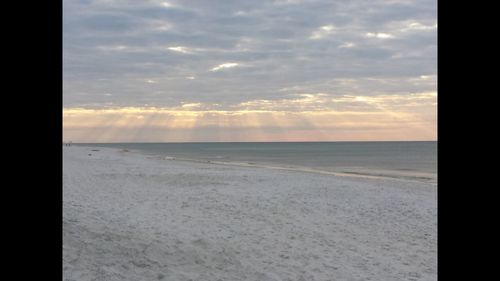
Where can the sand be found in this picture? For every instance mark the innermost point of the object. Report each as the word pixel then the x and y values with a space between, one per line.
pixel 129 216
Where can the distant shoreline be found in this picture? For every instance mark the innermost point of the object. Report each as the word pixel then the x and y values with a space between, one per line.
pixel 374 173
pixel 198 142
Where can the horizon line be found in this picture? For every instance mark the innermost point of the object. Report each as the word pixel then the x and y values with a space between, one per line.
pixel 189 142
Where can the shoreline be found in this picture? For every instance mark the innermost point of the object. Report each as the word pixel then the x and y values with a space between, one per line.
pixel 420 177
pixel 352 174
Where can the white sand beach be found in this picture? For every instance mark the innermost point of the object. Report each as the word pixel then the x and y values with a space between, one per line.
pixel 129 216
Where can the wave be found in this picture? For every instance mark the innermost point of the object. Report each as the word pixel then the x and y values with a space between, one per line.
pixel 366 173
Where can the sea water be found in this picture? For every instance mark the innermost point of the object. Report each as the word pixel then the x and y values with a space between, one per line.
pixel 410 160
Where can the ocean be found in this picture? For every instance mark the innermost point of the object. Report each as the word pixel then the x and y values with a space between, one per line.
pixel 407 160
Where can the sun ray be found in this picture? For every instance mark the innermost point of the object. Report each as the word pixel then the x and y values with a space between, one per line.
pixel 308 117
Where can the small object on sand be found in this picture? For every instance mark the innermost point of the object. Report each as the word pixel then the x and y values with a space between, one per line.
pixel 95 149
pixel 90 154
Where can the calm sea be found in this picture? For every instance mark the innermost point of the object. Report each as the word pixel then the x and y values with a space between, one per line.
pixel 412 160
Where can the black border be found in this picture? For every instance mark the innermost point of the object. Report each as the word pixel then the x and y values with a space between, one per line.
pixel 34 140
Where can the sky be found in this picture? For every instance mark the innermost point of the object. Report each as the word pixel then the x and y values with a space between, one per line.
pixel 228 70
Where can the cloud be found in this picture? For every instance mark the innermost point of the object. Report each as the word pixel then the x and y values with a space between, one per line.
pixel 191 105
pixel 356 118
pixel 112 48
pixel 417 26
pixel 347 45
pixel 380 35
pixel 224 65
pixel 166 4
pixel 338 48
pixel 179 49
pixel 322 32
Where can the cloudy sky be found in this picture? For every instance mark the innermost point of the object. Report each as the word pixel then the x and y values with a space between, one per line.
pixel 234 70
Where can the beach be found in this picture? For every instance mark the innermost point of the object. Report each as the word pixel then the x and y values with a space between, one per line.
pixel 133 216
